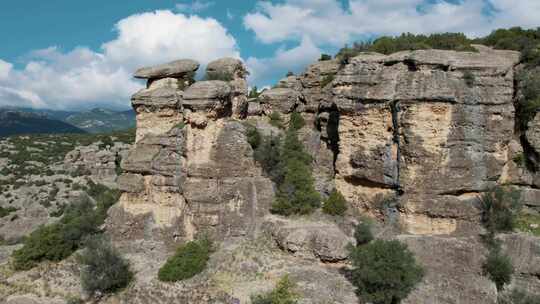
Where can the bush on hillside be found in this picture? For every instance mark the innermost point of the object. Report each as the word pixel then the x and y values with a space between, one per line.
pixel 469 78
pixel 5 211
pixel 102 268
pixel 296 193
pixel 499 268
pixel 58 241
pixel 407 41
pixel 268 155
pixel 384 272
pixel 284 293
pixel 500 208
pixel 276 120
pixel 362 233
pixel 253 136
pixel 335 204
pixel 529 103
pixel 325 57
pixel 189 260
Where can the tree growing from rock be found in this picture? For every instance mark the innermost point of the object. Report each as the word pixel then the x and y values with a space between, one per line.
pixel 296 194
pixel 384 272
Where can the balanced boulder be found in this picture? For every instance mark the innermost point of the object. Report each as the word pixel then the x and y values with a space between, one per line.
pixel 174 69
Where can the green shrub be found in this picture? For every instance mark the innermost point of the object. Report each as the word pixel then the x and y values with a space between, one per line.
pixel 384 272
pixel 57 241
pixel 498 267
pixel 188 261
pixel 335 204
pixel 362 233
pixel 407 41
pixel 529 223
pixel 530 102
pixel 276 120
pixel 268 155
pixel 284 293
pixel 253 136
pixel 6 211
pixel 469 78
pixel 289 74
pixel 102 268
pixel 254 92
pixel 296 194
pixel 518 39
pixel 519 159
pixel 296 122
pixel 327 80
pixel 325 57
pixel 499 209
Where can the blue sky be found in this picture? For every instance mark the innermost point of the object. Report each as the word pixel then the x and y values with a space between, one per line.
pixel 66 54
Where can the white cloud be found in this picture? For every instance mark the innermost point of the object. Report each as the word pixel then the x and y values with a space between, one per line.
pixel 296 59
pixel 82 78
pixel 327 22
pixel 5 68
pixel 194 6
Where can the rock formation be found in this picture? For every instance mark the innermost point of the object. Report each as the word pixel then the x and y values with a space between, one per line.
pixel 410 139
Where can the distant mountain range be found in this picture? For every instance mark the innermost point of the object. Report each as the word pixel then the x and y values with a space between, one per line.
pixel 15 120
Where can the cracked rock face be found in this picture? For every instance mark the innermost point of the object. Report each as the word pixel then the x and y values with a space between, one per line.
pixel 409 122
pixel 403 137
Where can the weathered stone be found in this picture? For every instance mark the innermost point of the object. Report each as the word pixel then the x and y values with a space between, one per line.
pixel 226 66
pixel 208 95
pixel 139 159
pixel 280 99
pixel 309 240
pixel 174 69
pixel 160 97
pixel 132 183
pixel 453 271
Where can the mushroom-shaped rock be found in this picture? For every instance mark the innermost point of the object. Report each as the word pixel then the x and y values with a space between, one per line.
pixel 203 95
pixel 174 69
pixel 163 97
pixel 280 99
pixel 228 68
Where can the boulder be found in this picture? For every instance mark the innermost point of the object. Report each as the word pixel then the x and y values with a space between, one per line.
pixel 157 97
pixel 226 66
pixel 282 100
pixel 208 95
pixel 309 239
pixel 174 69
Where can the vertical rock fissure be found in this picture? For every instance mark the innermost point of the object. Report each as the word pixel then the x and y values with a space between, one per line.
pixel 394 106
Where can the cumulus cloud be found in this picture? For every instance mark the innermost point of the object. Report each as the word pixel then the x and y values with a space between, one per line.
pixel 5 67
pixel 83 78
pixel 328 22
pixel 194 7
pixel 295 59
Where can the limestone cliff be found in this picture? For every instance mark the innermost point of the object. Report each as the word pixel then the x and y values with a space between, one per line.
pixel 411 139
